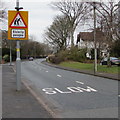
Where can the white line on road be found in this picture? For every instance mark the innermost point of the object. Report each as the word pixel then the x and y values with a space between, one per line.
pixel 59 76
pixel 79 82
pixel 118 95
pixel 46 71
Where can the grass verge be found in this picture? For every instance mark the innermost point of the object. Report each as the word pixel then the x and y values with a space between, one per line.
pixel 88 66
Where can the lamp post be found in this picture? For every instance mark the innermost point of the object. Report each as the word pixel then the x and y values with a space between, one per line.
pixel 119 17
pixel 93 3
pixel 95 47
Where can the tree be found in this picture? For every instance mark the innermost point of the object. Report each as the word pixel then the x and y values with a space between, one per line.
pixel 115 50
pixel 33 48
pixel 3 13
pixel 57 33
pixel 3 17
pixel 75 13
pixel 107 19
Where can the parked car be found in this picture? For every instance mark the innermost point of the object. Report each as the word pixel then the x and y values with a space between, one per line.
pixel 113 60
pixel 31 59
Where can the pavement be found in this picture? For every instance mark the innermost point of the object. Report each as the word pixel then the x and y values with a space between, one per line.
pixel 23 104
pixel 19 104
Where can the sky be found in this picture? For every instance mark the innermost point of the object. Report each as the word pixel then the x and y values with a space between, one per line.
pixel 41 16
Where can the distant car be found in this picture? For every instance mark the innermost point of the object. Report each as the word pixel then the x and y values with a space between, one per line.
pixel 113 60
pixel 31 59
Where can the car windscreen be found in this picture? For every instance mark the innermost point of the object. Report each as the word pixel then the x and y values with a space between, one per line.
pixel 114 58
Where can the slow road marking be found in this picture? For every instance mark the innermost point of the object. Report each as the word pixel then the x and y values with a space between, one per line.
pixel 69 90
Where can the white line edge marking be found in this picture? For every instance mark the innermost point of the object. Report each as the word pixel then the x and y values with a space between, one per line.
pixel 46 71
pixel 79 82
pixel 118 95
pixel 59 75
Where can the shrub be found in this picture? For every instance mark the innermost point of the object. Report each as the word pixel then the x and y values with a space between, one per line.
pixel 50 57
pixel 115 49
pixel 6 51
pixel 63 55
pixel 93 55
pixel 56 60
pixel 77 55
pixel 6 58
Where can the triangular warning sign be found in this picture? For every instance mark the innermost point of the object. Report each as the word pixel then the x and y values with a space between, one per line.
pixel 18 22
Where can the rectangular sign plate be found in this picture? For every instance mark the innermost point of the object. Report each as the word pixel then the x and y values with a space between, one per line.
pixel 18 33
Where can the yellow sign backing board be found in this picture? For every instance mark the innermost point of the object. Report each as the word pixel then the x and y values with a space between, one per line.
pixel 18 25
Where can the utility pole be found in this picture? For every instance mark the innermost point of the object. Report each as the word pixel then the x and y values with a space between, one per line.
pixel 119 17
pixel 18 60
pixel 95 47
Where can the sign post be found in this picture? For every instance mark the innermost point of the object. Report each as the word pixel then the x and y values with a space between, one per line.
pixel 18 30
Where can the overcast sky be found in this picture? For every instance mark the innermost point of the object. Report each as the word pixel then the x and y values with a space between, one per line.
pixel 40 16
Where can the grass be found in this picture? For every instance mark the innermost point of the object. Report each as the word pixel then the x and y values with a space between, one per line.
pixel 88 66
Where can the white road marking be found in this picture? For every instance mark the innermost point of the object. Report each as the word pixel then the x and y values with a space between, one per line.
pixel 59 76
pixel 118 95
pixel 68 90
pixel 60 91
pixel 79 82
pixel 46 71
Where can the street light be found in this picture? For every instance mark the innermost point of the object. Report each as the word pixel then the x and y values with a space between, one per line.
pixel 93 3
pixel 95 48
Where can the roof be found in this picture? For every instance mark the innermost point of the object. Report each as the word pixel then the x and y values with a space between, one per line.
pixel 89 36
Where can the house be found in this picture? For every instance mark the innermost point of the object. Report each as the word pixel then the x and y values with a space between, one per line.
pixel 86 40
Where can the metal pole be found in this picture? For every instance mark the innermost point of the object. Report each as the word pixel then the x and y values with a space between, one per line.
pixel 18 66
pixel 95 49
pixel 18 60
pixel 10 54
pixel 17 3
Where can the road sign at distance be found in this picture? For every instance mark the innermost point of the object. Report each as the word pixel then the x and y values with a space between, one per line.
pixel 18 25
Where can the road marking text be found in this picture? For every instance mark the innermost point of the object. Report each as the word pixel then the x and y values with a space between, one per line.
pixel 69 90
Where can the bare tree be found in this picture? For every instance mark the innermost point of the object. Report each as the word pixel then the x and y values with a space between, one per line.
pixel 75 12
pixel 107 20
pixel 3 13
pixel 33 48
pixel 109 16
pixel 57 33
pixel 3 17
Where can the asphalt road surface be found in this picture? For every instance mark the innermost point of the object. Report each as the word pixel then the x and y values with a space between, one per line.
pixel 72 95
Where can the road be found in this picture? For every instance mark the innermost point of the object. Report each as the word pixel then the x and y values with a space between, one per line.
pixel 70 94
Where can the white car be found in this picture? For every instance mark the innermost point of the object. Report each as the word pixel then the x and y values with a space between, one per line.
pixel 31 59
